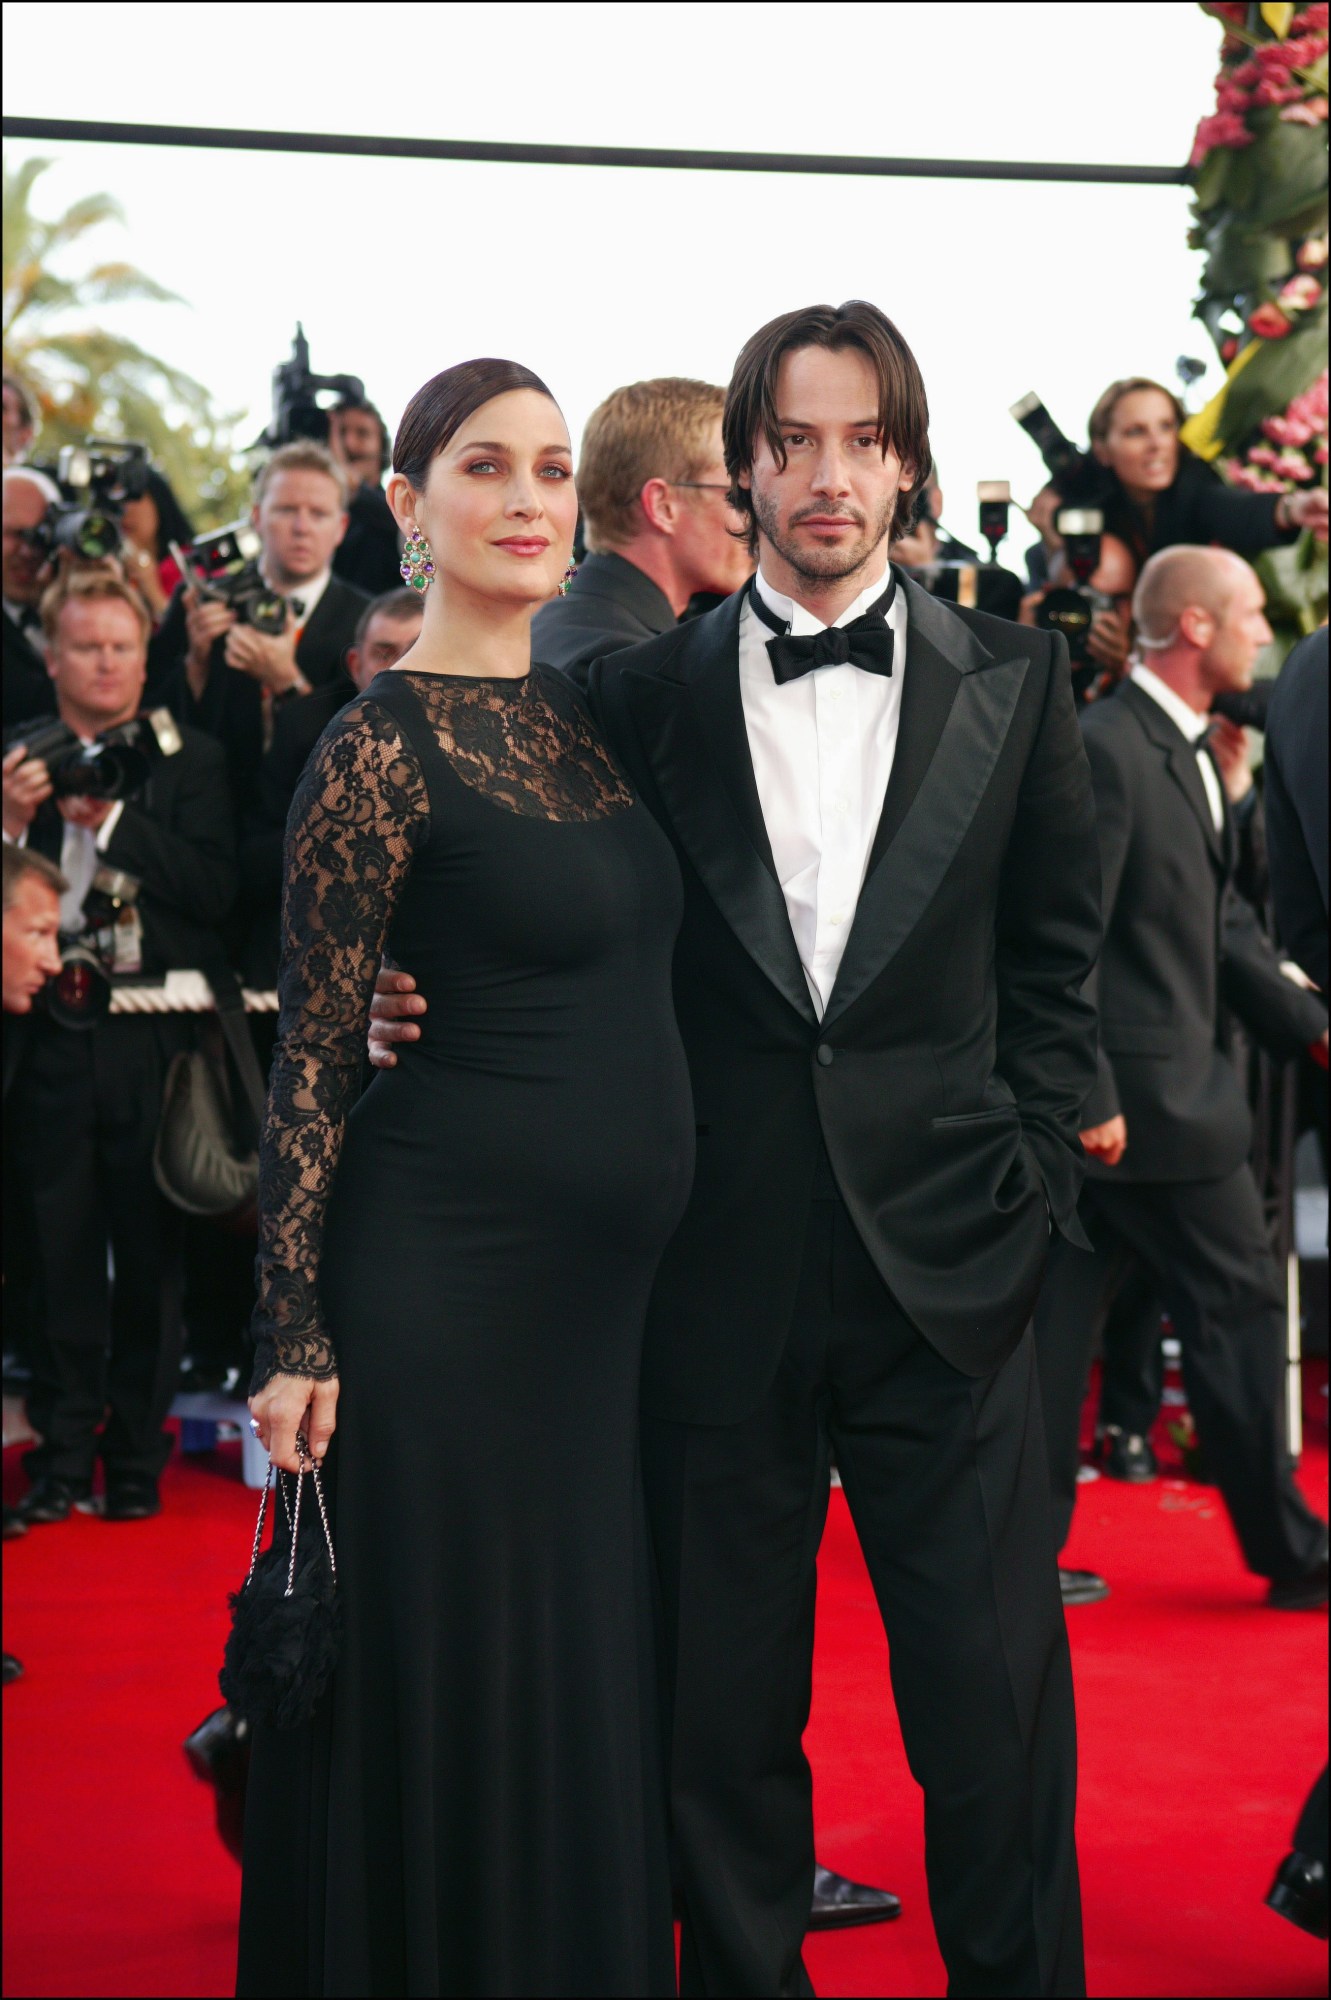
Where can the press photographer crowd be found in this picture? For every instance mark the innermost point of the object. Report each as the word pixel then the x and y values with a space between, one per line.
pixel 164 689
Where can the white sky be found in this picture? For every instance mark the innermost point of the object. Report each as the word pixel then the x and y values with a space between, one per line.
pixel 598 276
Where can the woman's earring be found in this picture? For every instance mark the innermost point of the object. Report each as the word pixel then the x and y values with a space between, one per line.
pixel 567 578
pixel 417 565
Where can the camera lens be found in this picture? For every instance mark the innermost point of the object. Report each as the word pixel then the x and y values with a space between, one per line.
pixel 1068 612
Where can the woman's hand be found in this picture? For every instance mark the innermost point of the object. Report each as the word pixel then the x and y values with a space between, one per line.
pixel 395 1001
pixel 291 1403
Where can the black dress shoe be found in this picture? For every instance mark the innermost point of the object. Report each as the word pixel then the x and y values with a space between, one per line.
pixel 1081 1586
pixel 218 1751
pixel 14 1671
pixel 1299 1893
pixel 131 1500
pixel 839 1904
pixel 48 1501
pixel 15 1524
pixel 1128 1457
pixel 1301 1593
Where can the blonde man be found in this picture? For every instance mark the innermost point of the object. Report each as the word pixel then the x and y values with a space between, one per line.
pixel 652 485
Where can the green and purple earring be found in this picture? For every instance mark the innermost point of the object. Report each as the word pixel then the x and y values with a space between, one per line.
pixel 567 578
pixel 417 566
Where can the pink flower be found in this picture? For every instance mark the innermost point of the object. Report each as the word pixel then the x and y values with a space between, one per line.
pixel 1262 454
pixel 1288 430
pixel 1270 92
pixel 1312 20
pixel 1228 349
pixel 1220 129
pixel 1320 455
pixel 1300 292
pixel 1312 253
pixel 1269 322
pixel 1311 112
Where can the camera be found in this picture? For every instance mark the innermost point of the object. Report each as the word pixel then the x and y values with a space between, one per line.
pixel 1078 475
pixel 975 586
pixel 111 941
pixel 1069 608
pixel 1246 706
pixel 297 412
pixel 95 478
pixel 114 765
pixel 225 566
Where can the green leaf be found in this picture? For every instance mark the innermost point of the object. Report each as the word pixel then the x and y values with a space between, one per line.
pixel 1282 370
pixel 1242 260
pixel 1289 166
pixel 1295 590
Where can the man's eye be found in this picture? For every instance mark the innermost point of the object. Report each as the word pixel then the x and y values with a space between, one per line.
pixel 795 437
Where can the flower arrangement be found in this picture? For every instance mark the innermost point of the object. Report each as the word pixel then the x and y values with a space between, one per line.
pixel 1259 172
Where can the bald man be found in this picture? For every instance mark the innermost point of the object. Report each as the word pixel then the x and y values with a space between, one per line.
pixel 27 690
pixel 1167 1129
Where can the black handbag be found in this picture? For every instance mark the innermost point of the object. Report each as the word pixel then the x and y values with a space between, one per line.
pixel 206 1156
pixel 286 1618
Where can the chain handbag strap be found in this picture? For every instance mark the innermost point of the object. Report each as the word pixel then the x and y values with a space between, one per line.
pixel 307 1464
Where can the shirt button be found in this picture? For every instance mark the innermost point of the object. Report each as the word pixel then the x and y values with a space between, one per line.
pixel 837 917
pixel 824 1055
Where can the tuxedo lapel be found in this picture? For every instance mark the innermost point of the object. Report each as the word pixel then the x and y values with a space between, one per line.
pixel 692 728
pixel 957 703
pixel 1180 761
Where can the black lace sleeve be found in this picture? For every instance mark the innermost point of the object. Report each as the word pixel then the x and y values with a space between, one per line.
pixel 359 813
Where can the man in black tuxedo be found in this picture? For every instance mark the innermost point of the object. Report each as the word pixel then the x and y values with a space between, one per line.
pixel 883 817
pixel 28 498
pixel 389 627
pixel 652 488
pixel 1167 1126
pixel 83 1108
pixel 1296 809
pixel 231 680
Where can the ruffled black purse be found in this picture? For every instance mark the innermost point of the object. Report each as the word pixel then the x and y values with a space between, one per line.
pixel 286 1619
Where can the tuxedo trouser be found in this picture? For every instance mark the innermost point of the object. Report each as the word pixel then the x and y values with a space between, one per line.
pixel 1207 1243
pixel 83 1114
pixel 1133 1374
pixel 947 1484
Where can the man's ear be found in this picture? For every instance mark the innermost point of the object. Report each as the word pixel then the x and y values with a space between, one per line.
pixel 657 500
pixel 1197 626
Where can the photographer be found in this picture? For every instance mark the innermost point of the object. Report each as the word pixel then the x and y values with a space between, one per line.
pixel 1100 651
pixel 1158 493
pixel 28 498
pixel 370 552
pixel 389 627
pixel 151 877
pixel 230 678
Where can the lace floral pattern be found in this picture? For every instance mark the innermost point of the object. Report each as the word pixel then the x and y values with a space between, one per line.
pixel 359 815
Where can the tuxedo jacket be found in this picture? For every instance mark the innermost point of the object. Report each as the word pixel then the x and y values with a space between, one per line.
pixel 1181 948
pixel 28 692
pixel 297 726
pixel 177 836
pixel 610 603
pixel 1296 804
pixel 947 1078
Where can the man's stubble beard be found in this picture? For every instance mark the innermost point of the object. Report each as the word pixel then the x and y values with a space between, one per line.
pixel 822 568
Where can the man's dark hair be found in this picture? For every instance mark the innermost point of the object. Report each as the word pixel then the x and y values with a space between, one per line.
pixel 403 603
pixel 21 861
pixel 363 403
pixel 903 408
pixel 439 409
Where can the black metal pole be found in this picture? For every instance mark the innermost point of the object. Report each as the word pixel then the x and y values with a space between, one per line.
pixel 362 146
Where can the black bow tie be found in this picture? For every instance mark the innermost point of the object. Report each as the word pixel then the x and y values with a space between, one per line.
pixel 865 643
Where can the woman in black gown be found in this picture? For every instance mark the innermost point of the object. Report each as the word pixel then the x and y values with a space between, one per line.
pixel 454 1269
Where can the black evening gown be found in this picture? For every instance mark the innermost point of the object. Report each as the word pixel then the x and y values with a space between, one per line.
pixel 477 1808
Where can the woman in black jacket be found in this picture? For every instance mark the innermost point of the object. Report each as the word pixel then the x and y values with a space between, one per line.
pixel 1161 493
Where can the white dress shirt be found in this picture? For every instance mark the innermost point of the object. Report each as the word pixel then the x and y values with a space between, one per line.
pixel 308 593
pixel 822 749
pixel 1194 727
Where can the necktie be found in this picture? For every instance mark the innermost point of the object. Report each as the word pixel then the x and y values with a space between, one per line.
pixel 865 643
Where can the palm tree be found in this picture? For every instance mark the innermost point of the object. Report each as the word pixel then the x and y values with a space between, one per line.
pixel 86 379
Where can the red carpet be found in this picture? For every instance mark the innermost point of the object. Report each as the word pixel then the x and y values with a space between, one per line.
pixel 1203 1721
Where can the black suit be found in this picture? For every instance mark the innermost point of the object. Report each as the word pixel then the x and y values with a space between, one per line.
pixel 863 1246
pixel 1296 805
pixel 1181 948
pixel 297 726
pixel 28 692
pixel 231 706
pixel 83 1113
pixel 370 553
pixel 609 603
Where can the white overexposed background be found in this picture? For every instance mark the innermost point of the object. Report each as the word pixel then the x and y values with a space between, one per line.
pixel 599 276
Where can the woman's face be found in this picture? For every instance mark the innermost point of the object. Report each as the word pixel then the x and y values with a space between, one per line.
pixel 499 507
pixel 1141 445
